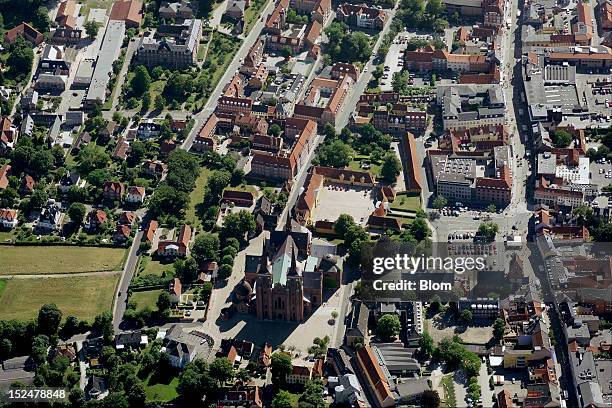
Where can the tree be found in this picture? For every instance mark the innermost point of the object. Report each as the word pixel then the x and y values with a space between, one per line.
pixel 282 399
pixel 274 130
pixel 281 367
pixel 335 154
pixel 41 19
pixel 76 212
pixel 399 81
pixel 20 57
pixel 6 348
pixel 141 81
pixel 439 202
pixel 561 138
pixel 160 103
pixel 39 198
pixel 49 319
pixel 178 87
pixel 168 200
pixel 491 208
pixel 40 346
pixel 136 395
pixel 391 168
pixel 499 327
pixel 222 370
pixel 205 248
pixel 426 345
pixel 163 301
pixel 466 316
pixel 186 269
pixel 488 230
pixel 146 102
pixel 91 28
pixel 70 327
pixel 312 396
pixel 603 233
pixel 343 224
pixel 430 399
pixel 388 326
pixel 103 324
pixel 92 157
pixel 239 224
pixel 217 182
pixel 419 229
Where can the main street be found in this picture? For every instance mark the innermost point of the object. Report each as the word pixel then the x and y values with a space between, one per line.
pixel 201 117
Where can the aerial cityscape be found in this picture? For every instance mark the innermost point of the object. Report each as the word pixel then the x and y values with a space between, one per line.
pixel 306 203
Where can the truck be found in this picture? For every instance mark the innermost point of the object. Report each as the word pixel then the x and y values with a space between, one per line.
pixel 498 379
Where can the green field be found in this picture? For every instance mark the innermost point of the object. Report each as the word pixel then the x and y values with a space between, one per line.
pixel 31 260
pixel 407 202
pixel 252 13
pixel 197 197
pixel 84 297
pixel 148 266
pixel 2 286
pixel 355 164
pixel 145 299
pixel 161 392
pixel 7 235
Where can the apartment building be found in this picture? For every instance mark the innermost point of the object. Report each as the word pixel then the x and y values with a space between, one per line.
pixel 332 93
pixel 173 46
pixel 361 16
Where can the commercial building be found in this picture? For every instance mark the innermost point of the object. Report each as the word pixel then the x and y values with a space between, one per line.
pixel 174 46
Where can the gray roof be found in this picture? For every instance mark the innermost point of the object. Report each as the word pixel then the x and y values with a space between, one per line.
pixel 109 52
pixel 396 358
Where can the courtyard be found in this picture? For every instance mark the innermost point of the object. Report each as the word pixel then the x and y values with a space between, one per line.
pixel 336 199
pixel 445 325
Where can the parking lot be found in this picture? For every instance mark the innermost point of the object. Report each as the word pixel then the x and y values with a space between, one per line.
pixel 335 199
pixel 601 173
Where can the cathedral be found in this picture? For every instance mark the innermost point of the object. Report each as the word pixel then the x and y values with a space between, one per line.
pixel 286 281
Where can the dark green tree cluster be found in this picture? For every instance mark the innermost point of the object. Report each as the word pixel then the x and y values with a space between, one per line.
pixel 171 198
pixel 355 236
pixel 347 46
pixel 419 14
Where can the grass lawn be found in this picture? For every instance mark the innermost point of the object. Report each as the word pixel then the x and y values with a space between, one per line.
pixel 24 260
pixel 161 392
pixel 244 187
pixel 82 296
pixel 2 286
pixel 196 197
pixel 355 164
pixel 450 400
pixel 6 235
pixel 407 202
pixel 221 51
pixel 148 266
pixel 252 13
pixel 145 299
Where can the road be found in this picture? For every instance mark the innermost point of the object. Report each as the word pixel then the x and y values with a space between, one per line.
pixel 121 296
pixel 362 82
pixel 201 117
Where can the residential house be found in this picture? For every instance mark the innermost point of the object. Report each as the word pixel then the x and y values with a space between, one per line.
pixel 175 288
pixel 113 190
pixel 5 171
pixel 69 179
pixel 299 375
pixel 8 134
pixel 178 247
pixel 131 340
pixel 8 218
pixel 27 185
pixel 235 9
pixel 122 149
pixel 129 11
pixel 150 232
pixel 178 10
pixel 127 218
pixel 107 132
pixel 357 331
pixel 361 16
pixel 122 233
pixel 154 168
pixel 27 31
pixel 238 198
pixel 94 219
pixel 135 195
pixel 50 217
pixel 184 346
pixel 336 92
pixel 243 396
pixel 29 100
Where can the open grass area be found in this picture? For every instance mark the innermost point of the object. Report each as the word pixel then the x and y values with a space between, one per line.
pixel 148 266
pixel 244 187
pixel 2 286
pixel 407 202
pixel 252 13
pixel 196 197
pixel 82 296
pixel 221 51
pixel 450 401
pixel 144 299
pixel 359 162
pixel 161 392
pixel 7 235
pixel 87 5
pixel 30 260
